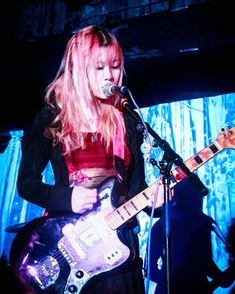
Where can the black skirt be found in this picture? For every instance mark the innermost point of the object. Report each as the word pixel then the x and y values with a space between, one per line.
pixel 127 279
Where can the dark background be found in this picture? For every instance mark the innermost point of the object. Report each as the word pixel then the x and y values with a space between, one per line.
pixel 157 37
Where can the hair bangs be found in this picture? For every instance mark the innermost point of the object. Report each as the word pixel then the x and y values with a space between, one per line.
pixel 112 53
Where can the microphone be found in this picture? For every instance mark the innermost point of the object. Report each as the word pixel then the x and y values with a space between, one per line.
pixel 111 89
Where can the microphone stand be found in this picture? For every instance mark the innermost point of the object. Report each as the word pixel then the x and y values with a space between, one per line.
pixel 169 158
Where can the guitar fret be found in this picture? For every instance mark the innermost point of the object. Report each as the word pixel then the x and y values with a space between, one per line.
pixel 133 204
pixel 145 195
pixel 126 210
pixel 129 209
pixel 198 159
pixel 118 212
pixel 213 148
pixel 143 200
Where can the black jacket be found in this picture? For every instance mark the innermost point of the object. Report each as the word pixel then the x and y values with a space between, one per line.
pixel 37 151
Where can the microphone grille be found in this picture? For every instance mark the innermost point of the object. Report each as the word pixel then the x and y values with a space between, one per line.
pixel 106 89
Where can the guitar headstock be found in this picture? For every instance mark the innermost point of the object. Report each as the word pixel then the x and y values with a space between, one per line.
pixel 226 138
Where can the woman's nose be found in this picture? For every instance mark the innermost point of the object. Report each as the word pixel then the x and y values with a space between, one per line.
pixel 109 75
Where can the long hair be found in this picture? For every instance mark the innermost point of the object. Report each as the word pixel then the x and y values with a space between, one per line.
pixel 70 90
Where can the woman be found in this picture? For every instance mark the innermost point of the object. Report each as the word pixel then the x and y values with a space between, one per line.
pixel 89 139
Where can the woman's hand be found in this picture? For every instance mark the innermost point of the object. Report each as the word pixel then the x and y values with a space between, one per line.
pixel 83 199
pixel 157 194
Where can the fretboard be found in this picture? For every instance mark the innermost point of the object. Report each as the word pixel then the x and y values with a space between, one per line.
pixel 133 206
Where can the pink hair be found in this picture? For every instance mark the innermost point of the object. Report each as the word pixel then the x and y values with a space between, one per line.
pixel 70 90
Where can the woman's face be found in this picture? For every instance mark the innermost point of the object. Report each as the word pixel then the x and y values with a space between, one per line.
pixel 104 70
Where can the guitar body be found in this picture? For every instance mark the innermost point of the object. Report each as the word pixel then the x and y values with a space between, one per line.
pixel 61 254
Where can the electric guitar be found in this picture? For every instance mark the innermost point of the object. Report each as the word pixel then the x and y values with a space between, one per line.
pixel 62 254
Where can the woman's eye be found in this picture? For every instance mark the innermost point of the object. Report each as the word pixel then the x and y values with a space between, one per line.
pixel 116 67
pixel 102 67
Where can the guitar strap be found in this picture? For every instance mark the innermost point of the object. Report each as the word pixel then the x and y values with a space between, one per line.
pixel 120 185
pixel 119 168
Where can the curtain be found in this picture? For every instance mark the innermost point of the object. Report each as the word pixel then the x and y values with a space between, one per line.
pixel 189 126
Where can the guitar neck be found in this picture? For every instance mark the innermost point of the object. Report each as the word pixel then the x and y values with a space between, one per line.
pixel 196 161
pixel 132 207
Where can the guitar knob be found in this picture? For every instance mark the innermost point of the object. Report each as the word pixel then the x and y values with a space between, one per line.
pixel 72 289
pixel 79 274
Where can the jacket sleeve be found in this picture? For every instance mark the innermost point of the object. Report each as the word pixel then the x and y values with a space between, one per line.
pixel 36 153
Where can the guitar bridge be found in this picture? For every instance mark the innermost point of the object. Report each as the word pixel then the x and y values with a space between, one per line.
pixel 44 272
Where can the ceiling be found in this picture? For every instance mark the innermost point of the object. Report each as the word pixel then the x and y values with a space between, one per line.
pixel 172 54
